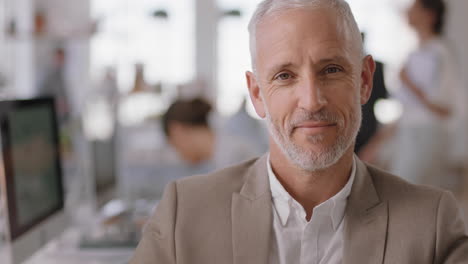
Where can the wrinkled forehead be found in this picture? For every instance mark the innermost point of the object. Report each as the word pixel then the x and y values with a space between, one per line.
pixel 293 29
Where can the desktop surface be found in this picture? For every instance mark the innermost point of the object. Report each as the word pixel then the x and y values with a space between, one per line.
pixel 65 249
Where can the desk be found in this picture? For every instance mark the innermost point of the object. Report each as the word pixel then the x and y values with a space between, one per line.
pixel 65 249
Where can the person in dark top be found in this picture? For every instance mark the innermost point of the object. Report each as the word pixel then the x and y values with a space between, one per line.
pixel 369 121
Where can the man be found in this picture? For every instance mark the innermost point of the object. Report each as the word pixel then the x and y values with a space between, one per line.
pixel 310 200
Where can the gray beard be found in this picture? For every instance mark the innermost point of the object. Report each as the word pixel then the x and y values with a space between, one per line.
pixel 309 160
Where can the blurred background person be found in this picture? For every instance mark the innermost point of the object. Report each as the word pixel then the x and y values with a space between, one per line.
pixel 54 85
pixel 187 129
pixel 428 95
pixel 370 123
pixel 243 126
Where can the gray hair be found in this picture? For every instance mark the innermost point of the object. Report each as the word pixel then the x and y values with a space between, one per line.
pixel 268 7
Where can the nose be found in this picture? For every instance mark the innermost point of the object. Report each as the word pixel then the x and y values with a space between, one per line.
pixel 310 95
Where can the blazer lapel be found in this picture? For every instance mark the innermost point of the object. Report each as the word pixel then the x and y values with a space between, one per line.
pixel 252 217
pixel 365 221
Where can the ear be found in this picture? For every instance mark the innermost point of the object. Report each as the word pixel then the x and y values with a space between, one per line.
pixel 254 92
pixel 367 78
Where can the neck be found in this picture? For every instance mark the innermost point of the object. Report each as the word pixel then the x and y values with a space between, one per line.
pixel 425 36
pixel 311 188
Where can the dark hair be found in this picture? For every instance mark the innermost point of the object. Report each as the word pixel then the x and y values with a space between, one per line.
pixel 438 8
pixel 190 112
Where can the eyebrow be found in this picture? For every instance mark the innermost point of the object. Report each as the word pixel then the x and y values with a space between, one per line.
pixel 281 66
pixel 338 58
pixel 277 68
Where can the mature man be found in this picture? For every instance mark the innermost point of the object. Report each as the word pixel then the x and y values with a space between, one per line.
pixel 310 200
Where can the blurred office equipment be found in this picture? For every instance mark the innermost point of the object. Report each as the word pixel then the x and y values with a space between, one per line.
pixel 104 169
pixel 32 175
pixel 100 126
pixel 35 198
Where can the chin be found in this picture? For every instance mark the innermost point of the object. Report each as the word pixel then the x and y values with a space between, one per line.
pixel 318 142
pixel 313 149
pixel 316 162
pixel 315 156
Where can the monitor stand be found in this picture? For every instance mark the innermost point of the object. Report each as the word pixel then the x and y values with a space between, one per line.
pixel 25 246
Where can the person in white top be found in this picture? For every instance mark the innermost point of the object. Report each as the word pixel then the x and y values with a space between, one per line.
pixel 426 133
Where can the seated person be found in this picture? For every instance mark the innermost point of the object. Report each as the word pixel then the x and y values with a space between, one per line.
pixel 187 129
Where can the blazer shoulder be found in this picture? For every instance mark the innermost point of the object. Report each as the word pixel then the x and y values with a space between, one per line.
pixel 423 220
pixel 224 181
pixel 392 187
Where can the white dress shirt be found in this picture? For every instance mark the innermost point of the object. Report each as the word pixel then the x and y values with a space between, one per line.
pixel 296 241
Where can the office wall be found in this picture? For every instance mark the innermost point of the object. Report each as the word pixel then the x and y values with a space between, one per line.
pixel 68 25
pixel 206 24
pixel 17 48
pixel 457 32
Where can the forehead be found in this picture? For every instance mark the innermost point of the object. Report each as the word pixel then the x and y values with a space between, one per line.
pixel 318 33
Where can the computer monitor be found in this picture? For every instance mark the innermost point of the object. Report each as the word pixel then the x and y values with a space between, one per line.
pixel 32 174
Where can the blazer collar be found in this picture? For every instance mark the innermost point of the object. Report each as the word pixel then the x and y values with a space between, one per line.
pixel 366 218
pixel 252 216
pixel 256 180
pixel 365 221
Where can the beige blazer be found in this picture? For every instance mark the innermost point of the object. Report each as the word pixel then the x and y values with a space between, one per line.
pixel 226 217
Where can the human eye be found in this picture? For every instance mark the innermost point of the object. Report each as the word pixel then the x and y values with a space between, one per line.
pixel 332 69
pixel 283 76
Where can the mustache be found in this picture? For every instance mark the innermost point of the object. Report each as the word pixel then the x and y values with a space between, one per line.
pixel 323 115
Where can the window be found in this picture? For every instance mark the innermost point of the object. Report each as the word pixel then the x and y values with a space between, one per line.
pixel 233 55
pixel 130 33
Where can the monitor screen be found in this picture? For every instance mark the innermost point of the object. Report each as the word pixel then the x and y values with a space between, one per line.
pixel 31 157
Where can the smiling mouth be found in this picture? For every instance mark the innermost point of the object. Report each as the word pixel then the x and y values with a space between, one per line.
pixel 314 127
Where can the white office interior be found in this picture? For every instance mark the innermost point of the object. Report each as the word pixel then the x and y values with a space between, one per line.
pixel 111 163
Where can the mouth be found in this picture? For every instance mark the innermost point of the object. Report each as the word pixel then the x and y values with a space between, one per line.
pixel 314 127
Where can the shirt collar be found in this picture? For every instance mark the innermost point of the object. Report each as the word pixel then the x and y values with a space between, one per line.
pixel 335 206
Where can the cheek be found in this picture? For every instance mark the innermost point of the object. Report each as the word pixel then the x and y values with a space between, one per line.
pixel 353 113
pixel 346 105
pixel 181 144
pixel 345 91
pixel 279 104
pixel 415 15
